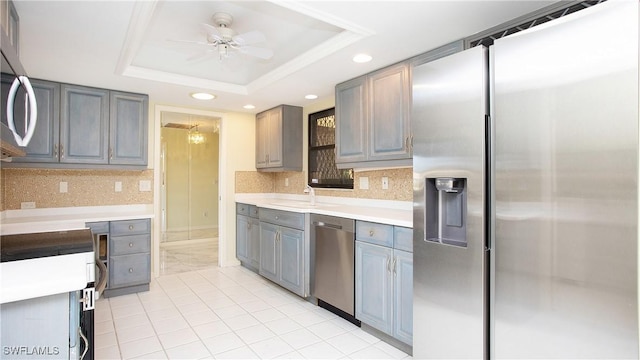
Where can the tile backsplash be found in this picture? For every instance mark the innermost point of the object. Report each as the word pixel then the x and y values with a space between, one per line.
pixel 400 184
pixel 84 187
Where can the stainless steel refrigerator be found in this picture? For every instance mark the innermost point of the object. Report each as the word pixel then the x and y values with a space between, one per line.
pixel 526 193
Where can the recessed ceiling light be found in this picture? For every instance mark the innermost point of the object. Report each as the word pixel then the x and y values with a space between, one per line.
pixel 311 97
pixel 362 58
pixel 203 96
pixel 249 107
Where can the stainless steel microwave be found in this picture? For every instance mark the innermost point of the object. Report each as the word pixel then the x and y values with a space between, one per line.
pixel 19 106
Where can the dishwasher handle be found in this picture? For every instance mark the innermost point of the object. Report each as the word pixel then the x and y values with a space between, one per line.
pixel 324 224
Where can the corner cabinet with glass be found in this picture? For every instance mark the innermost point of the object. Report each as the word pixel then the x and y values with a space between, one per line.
pixel 323 172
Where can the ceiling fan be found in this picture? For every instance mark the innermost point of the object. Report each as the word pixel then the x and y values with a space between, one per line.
pixel 223 41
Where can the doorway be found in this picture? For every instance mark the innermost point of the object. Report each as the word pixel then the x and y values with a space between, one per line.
pixel 189 191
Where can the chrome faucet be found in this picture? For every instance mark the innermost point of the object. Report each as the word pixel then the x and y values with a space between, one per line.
pixel 309 190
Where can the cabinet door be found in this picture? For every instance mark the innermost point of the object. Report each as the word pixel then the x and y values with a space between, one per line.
pixel 291 243
pixel 274 141
pixel 262 134
pixel 253 242
pixel 43 147
pixel 128 128
pixel 269 251
pixel 351 121
pixel 84 122
pixel 374 288
pixel 242 230
pixel 403 290
pixel 389 113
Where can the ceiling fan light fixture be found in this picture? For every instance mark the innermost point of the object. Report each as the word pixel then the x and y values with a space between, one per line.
pixel 362 58
pixel 311 97
pixel 202 96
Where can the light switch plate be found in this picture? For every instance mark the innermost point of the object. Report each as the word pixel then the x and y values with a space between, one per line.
pixel 64 187
pixel 364 183
pixel 385 183
pixel 118 186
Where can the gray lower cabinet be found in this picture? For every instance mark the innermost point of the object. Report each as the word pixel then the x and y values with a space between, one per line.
pixel 279 139
pixel 384 279
pixel 248 235
pixel 127 254
pixel 282 249
pixel 81 126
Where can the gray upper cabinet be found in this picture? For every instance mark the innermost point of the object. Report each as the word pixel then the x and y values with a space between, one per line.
pixel 128 118
pixel 84 125
pixel 279 139
pixel 351 121
pixel 45 140
pixel 81 126
pixel 373 125
pixel 389 109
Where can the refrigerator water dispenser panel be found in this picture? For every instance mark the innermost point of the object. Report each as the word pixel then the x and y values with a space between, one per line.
pixel 446 211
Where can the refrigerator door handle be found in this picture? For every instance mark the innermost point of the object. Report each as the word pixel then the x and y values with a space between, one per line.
pixel 488 171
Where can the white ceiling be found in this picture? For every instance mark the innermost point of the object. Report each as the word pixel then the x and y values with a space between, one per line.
pixel 126 45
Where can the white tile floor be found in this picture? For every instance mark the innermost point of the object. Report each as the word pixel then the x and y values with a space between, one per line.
pixel 226 313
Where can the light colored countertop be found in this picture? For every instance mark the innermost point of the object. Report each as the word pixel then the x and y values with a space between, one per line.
pixel 399 213
pixel 68 218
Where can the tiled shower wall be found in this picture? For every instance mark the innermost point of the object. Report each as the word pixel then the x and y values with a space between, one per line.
pixel 400 184
pixel 85 187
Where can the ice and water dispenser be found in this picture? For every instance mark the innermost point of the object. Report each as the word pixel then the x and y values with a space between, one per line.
pixel 446 210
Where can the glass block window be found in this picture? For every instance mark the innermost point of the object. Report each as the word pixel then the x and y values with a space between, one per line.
pixel 322 156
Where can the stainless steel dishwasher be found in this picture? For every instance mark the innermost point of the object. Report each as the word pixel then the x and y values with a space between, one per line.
pixel 334 273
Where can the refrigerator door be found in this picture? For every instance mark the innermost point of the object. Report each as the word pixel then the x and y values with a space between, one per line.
pixel 449 111
pixel 565 107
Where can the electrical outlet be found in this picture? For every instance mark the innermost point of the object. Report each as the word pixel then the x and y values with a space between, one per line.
pixel 64 187
pixel 364 183
pixel 118 186
pixel 145 185
pixel 385 183
pixel 286 181
pixel 28 205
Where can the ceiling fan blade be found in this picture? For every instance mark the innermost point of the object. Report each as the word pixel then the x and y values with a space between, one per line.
pixel 261 53
pixel 212 31
pixel 248 38
pixel 202 56
pixel 189 42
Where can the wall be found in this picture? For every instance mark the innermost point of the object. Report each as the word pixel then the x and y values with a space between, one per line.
pixel 85 187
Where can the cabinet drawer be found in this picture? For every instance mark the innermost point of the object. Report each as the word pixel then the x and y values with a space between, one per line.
pixel 126 270
pixel 283 218
pixel 130 227
pixel 379 234
pixel 242 209
pixel 123 245
pixel 253 211
pixel 403 238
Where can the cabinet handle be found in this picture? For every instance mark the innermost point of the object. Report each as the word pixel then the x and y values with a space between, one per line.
pixel 395 261
pixel 110 153
pixel 371 232
pixel 61 151
pixel 130 270
pixel 55 150
pixel 406 144
pixel 388 264
pixel 130 244
pixel 248 226
pixel 130 227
